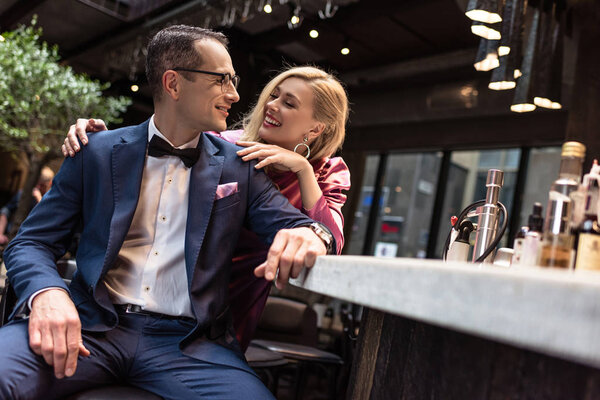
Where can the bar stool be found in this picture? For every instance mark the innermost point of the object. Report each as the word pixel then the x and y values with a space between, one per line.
pixel 289 328
pixel 266 364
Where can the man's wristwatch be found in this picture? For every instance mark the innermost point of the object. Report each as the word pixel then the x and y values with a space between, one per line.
pixel 323 233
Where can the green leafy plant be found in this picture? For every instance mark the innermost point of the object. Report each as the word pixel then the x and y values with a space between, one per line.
pixel 39 98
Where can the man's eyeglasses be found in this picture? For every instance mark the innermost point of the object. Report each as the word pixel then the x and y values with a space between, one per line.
pixel 226 78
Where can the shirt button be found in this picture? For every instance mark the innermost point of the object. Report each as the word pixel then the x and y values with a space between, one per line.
pixel 170 180
pixel 155 252
pixel 163 218
pixel 146 288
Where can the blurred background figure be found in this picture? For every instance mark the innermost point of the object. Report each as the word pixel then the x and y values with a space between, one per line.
pixel 7 212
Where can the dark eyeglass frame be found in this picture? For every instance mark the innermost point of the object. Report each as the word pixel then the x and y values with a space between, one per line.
pixel 226 77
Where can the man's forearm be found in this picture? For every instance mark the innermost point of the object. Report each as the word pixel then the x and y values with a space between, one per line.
pixel 45 235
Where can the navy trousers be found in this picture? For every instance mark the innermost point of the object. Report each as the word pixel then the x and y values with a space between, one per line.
pixel 141 351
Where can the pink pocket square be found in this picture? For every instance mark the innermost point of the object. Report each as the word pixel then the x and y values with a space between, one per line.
pixel 226 189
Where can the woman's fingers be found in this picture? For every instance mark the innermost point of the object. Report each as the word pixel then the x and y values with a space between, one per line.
pixel 71 141
pixel 251 149
pixel 260 154
pixel 78 131
pixel 67 148
pixel 96 125
pixel 245 143
pixel 267 161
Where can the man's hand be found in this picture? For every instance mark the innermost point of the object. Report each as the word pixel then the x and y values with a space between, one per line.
pixel 3 239
pixel 71 144
pixel 291 251
pixel 55 331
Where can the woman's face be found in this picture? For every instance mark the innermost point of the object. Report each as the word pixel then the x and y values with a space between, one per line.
pixel 288 115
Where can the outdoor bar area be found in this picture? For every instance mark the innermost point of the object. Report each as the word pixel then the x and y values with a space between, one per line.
pixel 300 199
pixel 457 330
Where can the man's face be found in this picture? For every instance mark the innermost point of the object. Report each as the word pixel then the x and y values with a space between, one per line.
pixel 204 104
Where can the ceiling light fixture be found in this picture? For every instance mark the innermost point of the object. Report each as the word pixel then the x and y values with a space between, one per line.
pixel 313 33
pixel 135 88
pixel 512 29
pixel 549 54
pixel 485 31
pixel 345 50
pixel 296 18
pixel 501 79
pixel 267 7
pixel 523 100
pixel 487 55
pixel 509 52
pixel 484 11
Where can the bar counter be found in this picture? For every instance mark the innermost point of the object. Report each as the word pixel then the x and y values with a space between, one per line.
pixel 458 330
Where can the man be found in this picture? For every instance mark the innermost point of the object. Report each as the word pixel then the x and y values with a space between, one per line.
pixel 150 293
pixel 6 213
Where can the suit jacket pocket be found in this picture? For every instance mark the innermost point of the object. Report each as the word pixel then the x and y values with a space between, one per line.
pixel 226 202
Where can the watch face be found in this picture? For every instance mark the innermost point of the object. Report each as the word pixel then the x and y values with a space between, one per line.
pixel 323 235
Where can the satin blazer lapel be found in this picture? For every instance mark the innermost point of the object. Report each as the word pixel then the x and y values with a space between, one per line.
pixel 127 167
pixel 204 179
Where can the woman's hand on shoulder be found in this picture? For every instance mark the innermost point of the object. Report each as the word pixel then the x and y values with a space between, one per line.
pixel 78 130
pixel 270 154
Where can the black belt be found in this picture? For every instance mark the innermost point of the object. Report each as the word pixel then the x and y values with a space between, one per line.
pixel 135 309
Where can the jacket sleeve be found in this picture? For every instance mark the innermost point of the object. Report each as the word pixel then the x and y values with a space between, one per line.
pixel 46 234
pixel 268 210
pixel 333 179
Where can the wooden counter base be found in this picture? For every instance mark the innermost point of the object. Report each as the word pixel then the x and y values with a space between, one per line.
pixel 399 358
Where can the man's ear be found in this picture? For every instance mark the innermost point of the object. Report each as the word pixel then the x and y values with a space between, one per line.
pixel 316 130
pixel 170 84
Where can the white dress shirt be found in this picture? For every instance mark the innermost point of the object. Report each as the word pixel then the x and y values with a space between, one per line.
pixel 150 268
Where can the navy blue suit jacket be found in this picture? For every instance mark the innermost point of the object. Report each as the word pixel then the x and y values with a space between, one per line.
pixel 100 186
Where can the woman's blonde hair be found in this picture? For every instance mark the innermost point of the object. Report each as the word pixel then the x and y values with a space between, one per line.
pixel 330 108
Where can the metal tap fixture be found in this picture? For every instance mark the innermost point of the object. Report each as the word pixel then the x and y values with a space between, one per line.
pixel 488 215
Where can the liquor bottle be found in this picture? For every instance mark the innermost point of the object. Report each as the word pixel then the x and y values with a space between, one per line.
pixel 518 246
pixel 557 246
pixel 579 196
pixel 532 244
pixel 587 234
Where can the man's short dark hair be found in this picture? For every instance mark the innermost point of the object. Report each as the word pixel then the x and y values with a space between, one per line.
pixel 174 47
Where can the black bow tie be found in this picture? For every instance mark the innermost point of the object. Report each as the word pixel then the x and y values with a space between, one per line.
pixel 159 147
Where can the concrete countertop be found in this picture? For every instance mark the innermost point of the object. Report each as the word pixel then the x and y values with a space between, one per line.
pixel 554 312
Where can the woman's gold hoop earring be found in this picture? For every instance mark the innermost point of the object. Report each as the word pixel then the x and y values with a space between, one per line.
pixel 305 145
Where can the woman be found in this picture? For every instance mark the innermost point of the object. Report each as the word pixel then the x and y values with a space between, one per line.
pixel 297 124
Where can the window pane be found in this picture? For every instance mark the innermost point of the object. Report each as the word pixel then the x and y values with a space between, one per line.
pixel 355 246
pixel 512 158
pixel 407 204
pixel 542 170
pixel 466 184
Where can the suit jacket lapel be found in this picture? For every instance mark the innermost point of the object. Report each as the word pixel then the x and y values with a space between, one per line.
pixel 127 167
pixel 204 179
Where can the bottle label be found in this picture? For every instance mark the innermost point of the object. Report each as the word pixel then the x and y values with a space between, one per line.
pixel 588 252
